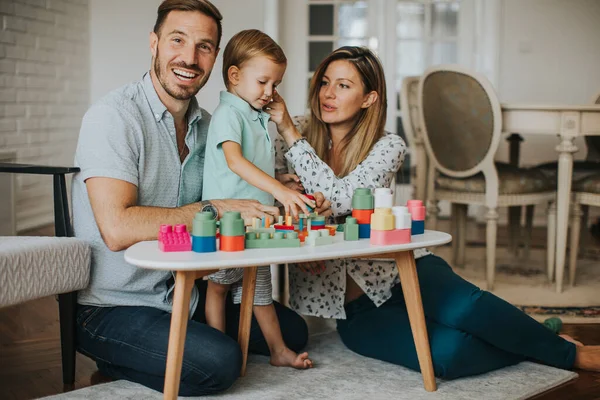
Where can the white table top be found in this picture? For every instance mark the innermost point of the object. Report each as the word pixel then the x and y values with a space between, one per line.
pixel 147 255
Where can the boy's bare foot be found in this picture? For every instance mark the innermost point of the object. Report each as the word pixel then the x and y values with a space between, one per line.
pixel 287 358
pixel 570 339
pixel 588 358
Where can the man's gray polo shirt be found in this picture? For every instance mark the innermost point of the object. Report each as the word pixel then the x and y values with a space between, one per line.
pixel 130 135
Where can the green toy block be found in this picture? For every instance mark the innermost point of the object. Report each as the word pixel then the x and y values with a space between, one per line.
pixel 351 229
pixel 318 238
pixel 317 219
pixel 340 228
pixel 266 240
pixel 204 225
pixel 232 224
pixel 261 230
pixel 363 199
pixel 554 324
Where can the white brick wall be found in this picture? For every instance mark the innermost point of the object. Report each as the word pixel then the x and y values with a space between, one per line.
pixel 44 92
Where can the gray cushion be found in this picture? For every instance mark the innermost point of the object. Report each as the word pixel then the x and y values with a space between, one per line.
pixel 34 267
pixel 512 181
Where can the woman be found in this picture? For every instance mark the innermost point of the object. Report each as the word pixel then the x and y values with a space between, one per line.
pixel 343 146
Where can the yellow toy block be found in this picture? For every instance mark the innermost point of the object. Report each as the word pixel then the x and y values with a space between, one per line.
pixel 383 220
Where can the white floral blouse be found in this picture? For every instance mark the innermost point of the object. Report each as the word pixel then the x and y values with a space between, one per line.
pixel 323 294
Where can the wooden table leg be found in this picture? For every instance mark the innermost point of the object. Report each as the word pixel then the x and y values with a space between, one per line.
pixel 248 287
pixel 184 282
pixel 412 296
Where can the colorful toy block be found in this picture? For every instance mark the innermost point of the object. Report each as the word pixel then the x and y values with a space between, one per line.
pixel 318 238
pixel 276 240
pixel 204 232
pixel 362 216
pixel 174 238
pixel 384 198
pixel 231 243
pixel 395 236
pixel 383 220
pixel 261 225
pixel 417 211
pixel 310 197
pixel 232 224
pixel 363 199
pixel 317 222
pixel 364 231
pixel 403 217
pixel 351 229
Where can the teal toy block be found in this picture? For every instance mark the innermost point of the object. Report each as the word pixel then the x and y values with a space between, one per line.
pixel 340 228
pixel 277 240
pixel 351 229
pixel 363 199
pixel 364 231
pixel 204 244
pixel 204 225
pixel 318 238
pixel 418 227
pixel 232 224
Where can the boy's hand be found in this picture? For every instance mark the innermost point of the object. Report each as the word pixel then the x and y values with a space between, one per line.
pixel 293 200
pixel 291 181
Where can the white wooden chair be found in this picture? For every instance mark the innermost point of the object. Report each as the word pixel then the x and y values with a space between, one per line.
pixel 586 192
pixel 461 121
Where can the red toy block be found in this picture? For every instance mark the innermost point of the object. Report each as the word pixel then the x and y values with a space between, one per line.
pixel 172 239
pixel 416 210
pixel 232 243
pixel 362 216
pixel 283 227
pixel 396 236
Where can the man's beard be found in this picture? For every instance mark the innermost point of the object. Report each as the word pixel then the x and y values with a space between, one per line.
pixel 176 91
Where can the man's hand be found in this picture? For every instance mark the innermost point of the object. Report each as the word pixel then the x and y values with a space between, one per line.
pixel 323 205
pixel 248 208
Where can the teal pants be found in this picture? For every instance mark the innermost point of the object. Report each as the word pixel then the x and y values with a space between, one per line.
pixel 471 331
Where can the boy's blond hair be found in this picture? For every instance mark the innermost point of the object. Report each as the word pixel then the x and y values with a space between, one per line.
pixel 247 44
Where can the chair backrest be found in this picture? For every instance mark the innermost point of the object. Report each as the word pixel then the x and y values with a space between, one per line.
pixel 460 118
pixel 409 108
pixel 593 142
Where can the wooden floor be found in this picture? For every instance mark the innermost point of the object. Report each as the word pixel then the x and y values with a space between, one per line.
pixel 30 365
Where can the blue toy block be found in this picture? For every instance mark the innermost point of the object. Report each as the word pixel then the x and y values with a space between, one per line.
pixel 364 231
pixel 204 244
pixel 417 228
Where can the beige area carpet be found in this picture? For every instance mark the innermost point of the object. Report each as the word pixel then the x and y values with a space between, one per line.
pixel 524 282
pixel 342 375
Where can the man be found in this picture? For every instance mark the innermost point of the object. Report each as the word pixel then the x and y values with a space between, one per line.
pixel 141 154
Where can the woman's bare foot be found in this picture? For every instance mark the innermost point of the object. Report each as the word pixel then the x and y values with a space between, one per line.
pixel 287 358
pixel 570 339
pixel 588 358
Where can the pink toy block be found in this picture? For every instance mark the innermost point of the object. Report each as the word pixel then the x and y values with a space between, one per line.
pixel 172 239
pixel 416 209
pixel 396 236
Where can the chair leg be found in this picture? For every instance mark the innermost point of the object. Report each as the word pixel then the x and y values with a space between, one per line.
pixel 551 241
pixel 462 233
pixel 432 214
pixel 454 232
pixel 66 306
pixel 514 229
pixel 585 210
pixel 528 231
pixel 574 245
pixel 491 232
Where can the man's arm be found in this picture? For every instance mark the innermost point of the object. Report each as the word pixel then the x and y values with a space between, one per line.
pixel 122 222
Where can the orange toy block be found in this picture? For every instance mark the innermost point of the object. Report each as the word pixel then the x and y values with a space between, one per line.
pixel 362 216
pixel 232 243
pixel 396 236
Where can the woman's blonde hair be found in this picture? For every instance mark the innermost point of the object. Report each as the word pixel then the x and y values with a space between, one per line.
pixel 247 44
pixel 369 127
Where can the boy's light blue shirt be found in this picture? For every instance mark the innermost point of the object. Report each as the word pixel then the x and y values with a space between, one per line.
pixel 235 120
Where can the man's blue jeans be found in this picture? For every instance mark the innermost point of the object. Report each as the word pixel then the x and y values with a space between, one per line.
pixel 131 343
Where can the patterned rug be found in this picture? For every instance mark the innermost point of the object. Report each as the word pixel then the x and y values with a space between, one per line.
pixel 341 374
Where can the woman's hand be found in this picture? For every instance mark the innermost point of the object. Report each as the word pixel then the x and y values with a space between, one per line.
pixel 280 115
pixel 248 208
pixel 293 200
pixel 291 181
pixel 323 205
pixel 312 267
